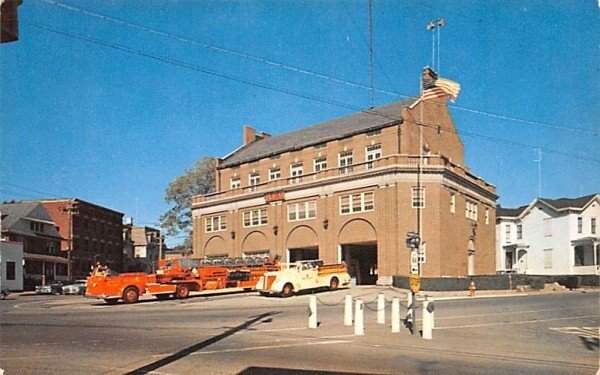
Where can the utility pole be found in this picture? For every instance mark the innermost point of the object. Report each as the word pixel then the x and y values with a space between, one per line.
pixel 70 209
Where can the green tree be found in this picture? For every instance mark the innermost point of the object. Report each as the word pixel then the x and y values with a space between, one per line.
pixel 200 179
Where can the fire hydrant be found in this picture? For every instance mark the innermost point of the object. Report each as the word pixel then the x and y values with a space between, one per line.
pixel 472 289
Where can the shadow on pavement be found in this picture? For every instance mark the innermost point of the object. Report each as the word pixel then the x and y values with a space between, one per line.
pixel 201 345
pixel 590 343
pixel 288 371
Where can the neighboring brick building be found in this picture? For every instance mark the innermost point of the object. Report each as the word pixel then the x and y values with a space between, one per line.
pixel 28 223
pixel 347 190
pixel 92 233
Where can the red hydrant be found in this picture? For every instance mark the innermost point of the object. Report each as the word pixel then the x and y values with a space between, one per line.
pixel 472 289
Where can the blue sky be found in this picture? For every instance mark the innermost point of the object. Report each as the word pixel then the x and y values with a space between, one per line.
pixel 114 125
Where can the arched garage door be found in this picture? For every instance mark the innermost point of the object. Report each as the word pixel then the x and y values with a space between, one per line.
pixel 302 244
pixel 358 242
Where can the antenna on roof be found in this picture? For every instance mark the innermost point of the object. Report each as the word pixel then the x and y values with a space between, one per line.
pixel 539 161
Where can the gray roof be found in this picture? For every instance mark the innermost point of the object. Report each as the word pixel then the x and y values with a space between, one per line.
pixel 368 120
pixel 13 212
pixel 569 202
pixel 510 212
pixel 557 204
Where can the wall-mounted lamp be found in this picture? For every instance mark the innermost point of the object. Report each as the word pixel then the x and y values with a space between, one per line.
pixel 275 229
pixel 325 223
pixel 232 234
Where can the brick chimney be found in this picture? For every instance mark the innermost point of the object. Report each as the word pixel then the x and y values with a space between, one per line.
pixel 249 134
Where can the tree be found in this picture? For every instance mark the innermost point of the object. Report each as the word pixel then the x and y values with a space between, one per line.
pixel 200 179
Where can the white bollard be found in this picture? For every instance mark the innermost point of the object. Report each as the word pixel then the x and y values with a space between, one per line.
pixel 348 311
pixel 427 320
pixel 359 326
pixel 395 315
pixel 409 301
pixel 432 316
pixel 312 318
pixel 380 308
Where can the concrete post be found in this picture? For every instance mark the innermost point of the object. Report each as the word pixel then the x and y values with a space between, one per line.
pixel 359 327
pixel 312 318
pixel 348 311
pixel 409 301
pixel 395 315
pixel 427 320
pixel 380 308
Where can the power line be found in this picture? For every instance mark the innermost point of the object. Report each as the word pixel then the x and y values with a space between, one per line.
pixel 298 69
pixel 30 189
pixel 282 90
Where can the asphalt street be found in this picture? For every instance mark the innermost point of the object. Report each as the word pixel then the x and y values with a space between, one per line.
pixel 249 334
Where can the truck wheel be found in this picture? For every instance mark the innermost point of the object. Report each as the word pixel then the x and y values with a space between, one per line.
pixel 333 284
pixel 131 295
pixel 288 290
pixel 183 291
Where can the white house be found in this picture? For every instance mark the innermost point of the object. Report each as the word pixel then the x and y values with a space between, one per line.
pixel 550 237
pixel 11 265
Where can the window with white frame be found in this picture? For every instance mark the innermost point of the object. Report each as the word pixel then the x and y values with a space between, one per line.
pixel 274 174
pixel 345 161
pixel 302 211
pixel 471 210
pixel 296 172
pixel 548 226
pixel 487 216
pixel 356 203
pixel 580 225
pixel 372 152
pixel 519 231
pixel 418 197
pixel 254 218
pixel 547 258
pixel 593 225
pixel 235 183
pixel 320 164
pixel 253 179
pixel 215 224
pixel 507 233
pixel 452 203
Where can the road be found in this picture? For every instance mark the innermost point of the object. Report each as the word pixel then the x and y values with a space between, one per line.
pixel 249 334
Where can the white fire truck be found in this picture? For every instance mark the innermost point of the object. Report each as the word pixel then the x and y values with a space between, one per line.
pixel 308 274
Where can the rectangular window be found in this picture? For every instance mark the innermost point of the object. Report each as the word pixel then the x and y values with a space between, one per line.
pixel 507 232
pixel 519 231
pixel 547 258
pixel 593 225
pixel 579 225
pixel 253 180
pixel 487 216
pixel 274 174
pixel 548 226
pixel 302 211
pixel 418 197
pixel 255 218
pixel 215 224
pixel 296 173
pixel 452 203
pixel 11 271
pixel 357 203
pixel 471 210
pixel 345 162
pixel 235 183
pixel 320 164
pixel 372 152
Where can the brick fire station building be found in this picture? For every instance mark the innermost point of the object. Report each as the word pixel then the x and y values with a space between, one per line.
pixel 347 190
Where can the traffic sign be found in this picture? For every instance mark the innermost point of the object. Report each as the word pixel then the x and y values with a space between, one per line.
pixel 414 262
pixel 415 283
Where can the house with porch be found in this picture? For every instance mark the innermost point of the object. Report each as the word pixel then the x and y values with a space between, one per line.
pixel 550 237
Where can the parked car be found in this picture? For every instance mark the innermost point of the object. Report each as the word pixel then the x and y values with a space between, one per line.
pixel 51 288
pixel 78 287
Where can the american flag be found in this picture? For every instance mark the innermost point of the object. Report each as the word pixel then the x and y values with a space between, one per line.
pixel 439 88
